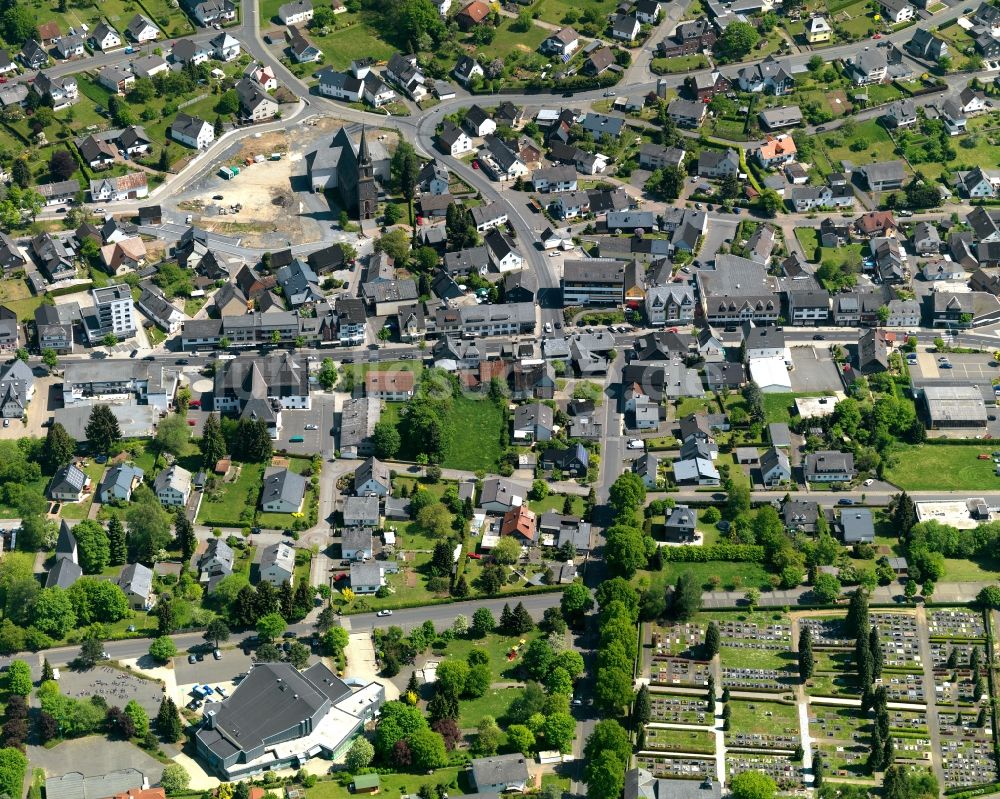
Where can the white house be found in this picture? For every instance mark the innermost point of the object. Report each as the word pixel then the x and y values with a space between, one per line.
pixel 105 37
pixel 141 30
pixel 295 12
pixel 277 564
pixel 283 491
pixel 173 486
pixel 192 131
pixel 225 47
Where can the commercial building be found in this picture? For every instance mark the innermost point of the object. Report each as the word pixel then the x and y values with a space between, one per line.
pixel 279 717
pixel 594 281
pixel 954 406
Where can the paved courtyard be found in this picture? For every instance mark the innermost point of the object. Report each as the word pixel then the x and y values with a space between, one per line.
pixel 814 370
pixel 117 687
pixel 94 756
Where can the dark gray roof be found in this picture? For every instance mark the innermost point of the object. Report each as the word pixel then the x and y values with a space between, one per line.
pixel 63 574
pixel 272 698
pixel 136 579
pixel 501 769
pixel 283 484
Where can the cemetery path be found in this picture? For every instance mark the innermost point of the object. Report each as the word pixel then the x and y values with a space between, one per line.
pixel 933 724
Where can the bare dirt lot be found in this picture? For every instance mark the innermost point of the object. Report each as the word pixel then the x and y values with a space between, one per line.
pixel 269 200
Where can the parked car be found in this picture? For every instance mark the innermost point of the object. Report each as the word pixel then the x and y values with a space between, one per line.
pixel 312 427
pixel 636 443
pixel 216 654
pixel 384 613
pixel 845 501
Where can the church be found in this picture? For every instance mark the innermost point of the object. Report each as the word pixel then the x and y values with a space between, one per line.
pixel 353 171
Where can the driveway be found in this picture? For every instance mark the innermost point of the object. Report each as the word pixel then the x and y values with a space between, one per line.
pixel 361 664
pixel 92 757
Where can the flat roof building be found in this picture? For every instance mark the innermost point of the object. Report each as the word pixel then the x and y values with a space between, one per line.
pixel 954 406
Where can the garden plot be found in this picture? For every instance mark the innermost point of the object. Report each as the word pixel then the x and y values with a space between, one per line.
pixel 900 642
pixel 827 631
pixel 678 671
pixel 955 687
pixel 841 733
pixel 763 725
pixel 904 687
pixel 907 722
pixel 676 709
pixel 967 755
pixel 782 770
pixel 691 742
pixel 951 654
pixel 962 624
pixel 692 768
pixel 678 639
pixel 756 656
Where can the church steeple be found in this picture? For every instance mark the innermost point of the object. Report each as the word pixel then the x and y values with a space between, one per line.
pixel 364 156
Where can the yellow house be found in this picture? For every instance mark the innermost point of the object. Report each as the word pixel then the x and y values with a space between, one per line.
pixel 818 30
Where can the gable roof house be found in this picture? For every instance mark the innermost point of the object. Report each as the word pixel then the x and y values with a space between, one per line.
pixel 119 482
pixel 141 30
pixel 105 37
pixel 66 569
pixel 868 66
pixel 562 42
pixel 172 486
pixel 771 75
pixel 136 581
pixel 283 491
pixel 277 564
pixel 925 44
pixel 68 484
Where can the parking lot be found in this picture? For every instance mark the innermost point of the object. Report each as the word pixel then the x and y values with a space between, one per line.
pixel 210 670
pixel 814 370
pixel 294 424
pixel 972 368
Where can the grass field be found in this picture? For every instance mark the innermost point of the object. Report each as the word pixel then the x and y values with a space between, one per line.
pixel 762 718
pixel 732 576
pixel 555 502
pixel 669 740
pixel 225 509
pixel 946 467
pixel 508 40
pixel 16 295
pixel 496 646
pixel 878 145
pixel 781 407
pixel 753 658
pixel 555 11
pixel 344 45
pixel 494 703
pixel 681 63
pixel 392 784
pixel 958 570
pixel 808 240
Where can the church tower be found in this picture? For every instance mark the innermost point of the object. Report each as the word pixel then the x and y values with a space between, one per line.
pixel 367 190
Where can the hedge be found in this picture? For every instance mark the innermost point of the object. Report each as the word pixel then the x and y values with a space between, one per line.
pixel 737 553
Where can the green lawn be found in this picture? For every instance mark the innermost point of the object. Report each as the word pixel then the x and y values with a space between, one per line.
pixel 494 703
pixel 878 145
pixel 781 407
pixel 224 506
pixel 555 502
pixel 555 11
pixel 732 576
pixel 497 647
pixel 808 239
pixel 681 63
pixel 671 740
pixel 507 40
pixel 946 467
pixel 346 44
pixel 957 570
pixel 762 718
pixel 391 784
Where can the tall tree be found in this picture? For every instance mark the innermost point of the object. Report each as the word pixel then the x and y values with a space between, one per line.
pixel 59 447
pixel 642 707
pixel 253 441
pixel 118 551
pixel 102 429
pixel 806 660
pixel 93 547
pixel 213 444
pixel 903 514
pixel 712 640
pixel 875 652
pixel 857 621
pixel 185 535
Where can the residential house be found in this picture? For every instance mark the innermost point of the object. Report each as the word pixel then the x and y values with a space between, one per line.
pixel 503 254
pixel 785 116
pixel 295 12
pixel 625 27
pixel 372 478
pixel 453 140
pixel 533 422
pixel 68 484
pixel 132 186
pixel 472 15
pixel 520 523
pixel 172 486
pixel 901 114
pixel 927 45
pixel 687 113
pixel 277 564
pixel 857 526
pixel 562 43
pixel 818 30
pixel 283 491
pixel 394 385
pixel 771 76
pixel 647 466
pixel 573 461
pixel 192 131
pixel 829 466
pixel 225 47
pixel 598 61
pixel 136 581
pixel 671 304
pixel 357 543
pixel 775 467
pixel 897 11
pixel 17 383
pixel 367 577
pixel 869 66
pixel 141 30
pixel 302 50
pixel 105 37
pixel 70 47
pixel 718 164
pixel 776 150
pixel 466 69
